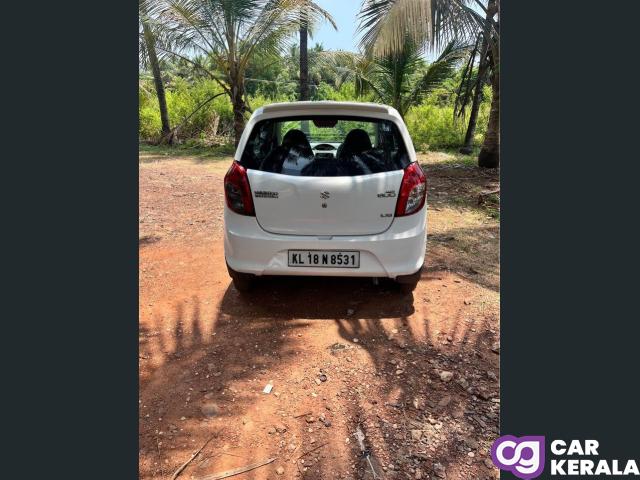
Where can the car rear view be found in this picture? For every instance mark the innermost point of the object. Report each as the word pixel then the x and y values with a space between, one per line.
pixel 325 188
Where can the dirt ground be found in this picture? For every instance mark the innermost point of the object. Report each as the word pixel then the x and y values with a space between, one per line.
pixel 417 373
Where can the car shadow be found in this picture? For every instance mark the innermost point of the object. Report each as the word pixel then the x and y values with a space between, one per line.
pixel 286 298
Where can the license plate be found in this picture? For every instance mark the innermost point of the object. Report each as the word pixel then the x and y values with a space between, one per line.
pixel 324 258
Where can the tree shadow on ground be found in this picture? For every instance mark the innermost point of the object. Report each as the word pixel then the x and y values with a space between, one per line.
pixel 473 253
pixel 456 185
pixel 453 418
pixel 192 366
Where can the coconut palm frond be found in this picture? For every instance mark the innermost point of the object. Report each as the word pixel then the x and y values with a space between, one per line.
pixel 397 79
pixel 317 14
pixel 385 24
pixel 438 71
pixel 350 66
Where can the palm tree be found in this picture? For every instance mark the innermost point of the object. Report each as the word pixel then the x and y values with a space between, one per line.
pixel 397 79
pixel 304 52
pixel 149 59
pixel 470 90
pixel 387 23
pixel 228 34
pixel 489 155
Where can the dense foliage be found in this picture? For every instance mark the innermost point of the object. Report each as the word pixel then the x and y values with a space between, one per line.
pixel 274 78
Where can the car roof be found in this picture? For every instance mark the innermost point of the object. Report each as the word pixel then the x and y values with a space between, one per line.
pixel 325 107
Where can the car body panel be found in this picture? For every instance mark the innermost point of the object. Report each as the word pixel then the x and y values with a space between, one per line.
pixel 400 250
pixel 294 205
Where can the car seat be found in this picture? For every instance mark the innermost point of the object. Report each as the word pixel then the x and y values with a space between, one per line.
pixel 295 146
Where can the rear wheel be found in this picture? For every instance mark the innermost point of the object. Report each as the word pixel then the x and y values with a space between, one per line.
pixel 242 281
pixel 407 287
pixel 408 283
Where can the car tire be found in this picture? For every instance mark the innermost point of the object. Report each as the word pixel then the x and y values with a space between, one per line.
pixel 242 281
pixel 408 283
pixel 407 287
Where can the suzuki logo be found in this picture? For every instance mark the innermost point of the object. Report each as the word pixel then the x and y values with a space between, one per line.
pixel 325 195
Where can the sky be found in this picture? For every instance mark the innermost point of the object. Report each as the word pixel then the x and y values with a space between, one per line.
pixel 344 13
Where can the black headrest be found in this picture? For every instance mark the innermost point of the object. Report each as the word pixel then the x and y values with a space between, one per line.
pixel 297 138
pixel 356 142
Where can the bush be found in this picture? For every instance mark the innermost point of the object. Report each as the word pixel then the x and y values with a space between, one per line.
pixel 434 127
pixel 182 99
pixel 430 124
pixel 149 125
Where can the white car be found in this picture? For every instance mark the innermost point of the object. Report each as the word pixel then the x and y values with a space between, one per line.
pixel 325 188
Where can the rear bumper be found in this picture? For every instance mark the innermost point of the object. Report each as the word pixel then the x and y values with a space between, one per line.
pixel 397 252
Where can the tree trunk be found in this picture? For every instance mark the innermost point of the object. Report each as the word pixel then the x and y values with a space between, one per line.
pixel 489 156
pixel 477 94
pixel 304 65
pixel 467 148
pixel 239 108
pixel 304 58
pixel 157 80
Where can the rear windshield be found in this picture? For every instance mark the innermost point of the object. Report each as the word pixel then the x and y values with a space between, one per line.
pixel 325 146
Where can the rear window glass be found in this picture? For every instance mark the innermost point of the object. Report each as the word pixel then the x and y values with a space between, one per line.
pixel 325 146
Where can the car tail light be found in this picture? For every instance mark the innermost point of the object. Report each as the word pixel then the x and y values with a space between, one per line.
pixel 237 191
pixel 413 191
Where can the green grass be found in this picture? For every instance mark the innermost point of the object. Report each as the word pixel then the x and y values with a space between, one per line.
pixel 150 153
pixel 466 160
pixel 492 207
pixel 470 160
